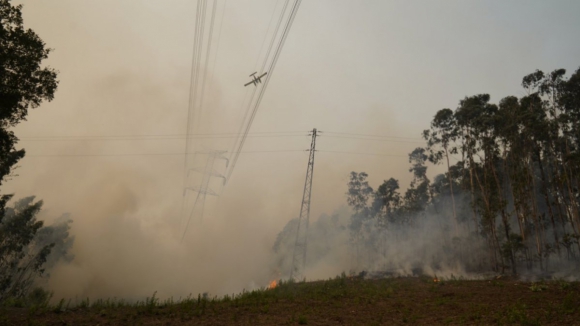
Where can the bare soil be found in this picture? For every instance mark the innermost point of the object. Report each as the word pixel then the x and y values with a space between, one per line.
pixel 342 301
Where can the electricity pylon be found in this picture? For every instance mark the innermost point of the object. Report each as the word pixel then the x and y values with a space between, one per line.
pixel 299 256
pixel 203 189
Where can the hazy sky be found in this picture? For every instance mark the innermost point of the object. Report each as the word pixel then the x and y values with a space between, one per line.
pixel 363 67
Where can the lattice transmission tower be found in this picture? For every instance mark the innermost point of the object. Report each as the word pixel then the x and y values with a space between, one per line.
pixel 207 172
pixel 299 256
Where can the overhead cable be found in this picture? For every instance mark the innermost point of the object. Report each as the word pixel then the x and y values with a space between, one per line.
pixel 285 32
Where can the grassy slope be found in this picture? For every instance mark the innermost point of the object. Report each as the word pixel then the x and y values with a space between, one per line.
pixel 340 301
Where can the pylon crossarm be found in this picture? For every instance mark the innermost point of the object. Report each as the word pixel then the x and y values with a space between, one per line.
pixel 202 191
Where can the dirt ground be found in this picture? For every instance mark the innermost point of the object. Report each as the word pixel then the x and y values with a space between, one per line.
pixel 342 301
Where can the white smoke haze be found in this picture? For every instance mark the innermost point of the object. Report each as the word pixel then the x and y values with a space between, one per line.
pixel 125 70
pixel 427 246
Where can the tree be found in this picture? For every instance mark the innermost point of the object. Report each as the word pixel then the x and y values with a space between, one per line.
pixel 388 199
pixel 359 191
pixel 358 195
pixel 444 131
pixel 519 167
pixel 20 259
pixel 418 194
pixel 24 84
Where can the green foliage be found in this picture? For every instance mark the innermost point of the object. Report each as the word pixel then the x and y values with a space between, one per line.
pixel 24 84
pixel 538 287
pixel 518 314
pixel 563 285
pixel 22 256
pixel 36 299
pixel 28 248
pixel 515 184
pixel 359 191
pixel 570 303
pixel 39 297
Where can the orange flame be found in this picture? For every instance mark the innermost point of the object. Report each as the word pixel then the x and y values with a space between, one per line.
pixel 435 280
pixel 272 284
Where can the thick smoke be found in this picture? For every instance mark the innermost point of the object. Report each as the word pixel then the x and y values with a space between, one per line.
pixel 429 248
pixel 424 243
pixel 128 77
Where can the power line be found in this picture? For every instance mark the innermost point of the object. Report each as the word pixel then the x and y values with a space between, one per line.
pixel 197 109
pixel 266 34
pixel 203 190
pixel 182 153
pixel 283 38
pixel 209 41
pixel 241 128
pixel 247 110
pixel 218 42
pixel 154 135
pixel 239 142
pixel 193 80
pixel 211 135
pixel 154 154
pixel 156 138
pixel 377 139
pixel 273 35
pixel 360 153
pixel 249 123
pixel 367 135
pixel 164 135
pixel 181 137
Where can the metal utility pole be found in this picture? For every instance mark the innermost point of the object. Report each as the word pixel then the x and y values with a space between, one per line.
pixel 299 256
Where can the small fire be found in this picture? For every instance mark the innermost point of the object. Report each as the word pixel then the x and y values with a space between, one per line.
pixel 435 280
pixel 272 285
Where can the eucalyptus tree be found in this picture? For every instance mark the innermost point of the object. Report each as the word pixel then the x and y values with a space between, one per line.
pixel 520 164
pixel 551 135
pixel 443 133
pixel 537 136
pixel 545 134
pixel 358 195
pixel 552 89
pixel 418 194
pixel 515 134
pixel 388 200
pixel 555 88
pixel 359 191
pixel 463 116
pixel 567 101
pixel 385 206
pixel 477 119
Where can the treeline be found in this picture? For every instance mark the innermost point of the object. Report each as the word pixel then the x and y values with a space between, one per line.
pixel 509 199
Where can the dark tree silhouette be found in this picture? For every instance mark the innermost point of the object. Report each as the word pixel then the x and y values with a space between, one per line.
pixel 24 84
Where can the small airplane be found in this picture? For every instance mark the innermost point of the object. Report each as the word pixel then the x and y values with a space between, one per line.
pixel 256 79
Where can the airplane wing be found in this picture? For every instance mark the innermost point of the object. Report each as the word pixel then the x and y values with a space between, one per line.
pixel 249 83
pixel 264 74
